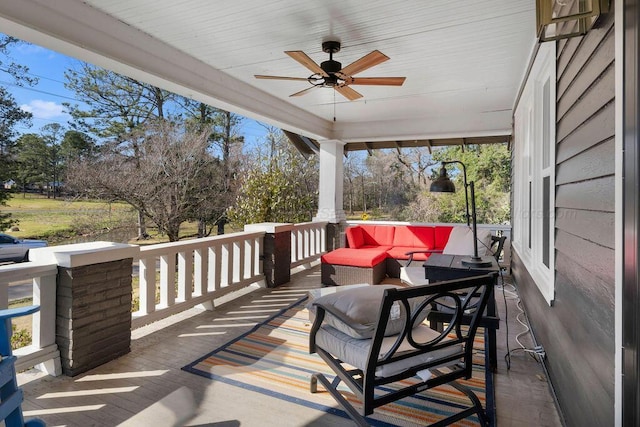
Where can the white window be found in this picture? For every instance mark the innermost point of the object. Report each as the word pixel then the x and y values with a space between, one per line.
pixel 534 172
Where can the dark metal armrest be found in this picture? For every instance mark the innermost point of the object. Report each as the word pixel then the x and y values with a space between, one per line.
pixel 425 251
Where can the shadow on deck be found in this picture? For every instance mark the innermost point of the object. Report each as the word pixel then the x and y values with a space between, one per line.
pixel 115 392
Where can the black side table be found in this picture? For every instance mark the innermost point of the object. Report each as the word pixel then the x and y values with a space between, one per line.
pixel 440 267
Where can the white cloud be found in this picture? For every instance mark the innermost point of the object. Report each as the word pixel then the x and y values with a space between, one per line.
pixel 45 109
pixel 29 49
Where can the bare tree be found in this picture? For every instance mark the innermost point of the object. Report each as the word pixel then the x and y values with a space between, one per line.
pixel 417 161
pixel 171 178
pixel 117 106
pixel 225 141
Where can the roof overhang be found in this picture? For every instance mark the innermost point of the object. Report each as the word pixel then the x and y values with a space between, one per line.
pixel 463 62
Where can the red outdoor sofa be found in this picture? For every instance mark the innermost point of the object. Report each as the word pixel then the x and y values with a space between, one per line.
pixel 375 251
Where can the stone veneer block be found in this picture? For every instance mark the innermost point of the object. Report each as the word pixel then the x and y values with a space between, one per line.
pixel 93 302
pixel 93 314
pixel 276 251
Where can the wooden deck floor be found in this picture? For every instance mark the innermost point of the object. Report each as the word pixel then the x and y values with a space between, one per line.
pixel 115 392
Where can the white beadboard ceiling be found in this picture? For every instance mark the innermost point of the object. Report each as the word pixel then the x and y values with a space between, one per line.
pixel 463 60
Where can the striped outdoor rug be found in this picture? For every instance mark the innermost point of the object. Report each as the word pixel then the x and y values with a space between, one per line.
pixel 273 358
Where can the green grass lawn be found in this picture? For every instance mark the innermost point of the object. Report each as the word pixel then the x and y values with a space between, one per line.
pixel 51 219
pixel 62 218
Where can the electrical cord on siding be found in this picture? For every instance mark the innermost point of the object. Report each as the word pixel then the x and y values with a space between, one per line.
pixel 536 352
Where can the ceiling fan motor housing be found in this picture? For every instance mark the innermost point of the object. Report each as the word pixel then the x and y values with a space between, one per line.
pixel 331 66
pixel 331 47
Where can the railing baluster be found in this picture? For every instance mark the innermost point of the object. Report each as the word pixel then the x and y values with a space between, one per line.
pixel 147 287
pixel 167 280
pixel 226 270
pixel 200 271
pixel 44 320
pixel 185 275
pixel 248 259
pixel 294 245
pixel 215 267
pixel 257 263
pixel 238 261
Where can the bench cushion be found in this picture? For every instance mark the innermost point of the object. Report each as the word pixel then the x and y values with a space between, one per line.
pixel 414 236
pixel 355 257
pixel 377 235
pixel 442 233
pixel 355 238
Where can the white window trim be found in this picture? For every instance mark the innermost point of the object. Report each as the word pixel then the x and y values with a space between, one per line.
pixel 528 150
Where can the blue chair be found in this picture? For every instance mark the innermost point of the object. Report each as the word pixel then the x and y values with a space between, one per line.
pixel 10 395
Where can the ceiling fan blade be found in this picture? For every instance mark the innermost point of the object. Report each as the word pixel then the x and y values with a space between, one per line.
pixel 259 76
pixel 348 93
pixel 380 81
pixel 304 59
pixel 369 60
pixel 302 92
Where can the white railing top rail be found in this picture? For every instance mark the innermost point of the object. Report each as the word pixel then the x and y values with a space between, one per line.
pixel 193 244
pixel 25 271
pixel 310 224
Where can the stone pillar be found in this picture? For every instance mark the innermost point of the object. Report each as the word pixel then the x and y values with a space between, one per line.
pixel 276 252
pixel 93 299
pixel 330 199
pixel 335 236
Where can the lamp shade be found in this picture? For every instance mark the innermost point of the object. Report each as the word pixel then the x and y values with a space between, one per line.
pixel 442 184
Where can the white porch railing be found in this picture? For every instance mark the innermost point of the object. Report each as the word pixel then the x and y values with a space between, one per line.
pixel 195 272
pixel 173 277
pixel 308 242
pixel 43 350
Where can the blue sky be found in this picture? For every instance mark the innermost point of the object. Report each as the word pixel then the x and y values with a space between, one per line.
pixel 45 99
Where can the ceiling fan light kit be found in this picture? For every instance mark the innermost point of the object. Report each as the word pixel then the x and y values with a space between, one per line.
pixel 331 74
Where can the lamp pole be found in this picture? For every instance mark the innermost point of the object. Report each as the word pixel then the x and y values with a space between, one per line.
pixel 466 192
pixel 475 260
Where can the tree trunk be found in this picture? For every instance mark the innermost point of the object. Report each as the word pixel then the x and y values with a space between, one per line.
pixel 202 228
pixel 173 232
pixel 142 227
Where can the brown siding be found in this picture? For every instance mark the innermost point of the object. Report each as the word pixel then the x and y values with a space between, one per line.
pixel 577 332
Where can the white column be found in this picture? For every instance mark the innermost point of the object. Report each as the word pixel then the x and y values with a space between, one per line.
pixel 331 182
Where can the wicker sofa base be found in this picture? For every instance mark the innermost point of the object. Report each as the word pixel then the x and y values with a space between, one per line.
pixel 394 265
pixel 336 275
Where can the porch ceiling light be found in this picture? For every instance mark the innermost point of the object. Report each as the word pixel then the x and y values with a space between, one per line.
pixel 561 19
pixel 444 185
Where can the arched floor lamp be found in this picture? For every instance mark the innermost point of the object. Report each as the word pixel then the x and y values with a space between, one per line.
pixel 444 185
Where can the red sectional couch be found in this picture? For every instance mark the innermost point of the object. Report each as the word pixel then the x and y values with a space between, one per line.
pixel 376 251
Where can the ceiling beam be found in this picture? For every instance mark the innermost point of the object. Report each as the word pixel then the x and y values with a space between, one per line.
pixel 429 143
pixel 369 148
pixel 475 125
